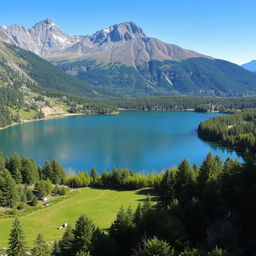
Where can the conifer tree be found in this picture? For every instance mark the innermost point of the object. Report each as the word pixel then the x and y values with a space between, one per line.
pixel 138 215
pixel 57 173
pixel 184 181
pixel 29 171
pixel 14 166
pixel 154 246
pixel 8 189
pixel 218 252
pixel 16 245
pixel 167 191
pixel 2 161
pixel 83 233
pixel 94 176
pixel 66 243
pixel 55 249
pixel 41 248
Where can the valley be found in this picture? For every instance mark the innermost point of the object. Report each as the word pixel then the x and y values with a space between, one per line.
pixel 114 142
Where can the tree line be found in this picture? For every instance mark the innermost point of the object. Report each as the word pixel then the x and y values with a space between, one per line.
pixel 201 211
pixel 9 97
pixel 237 131
pixel 202 104
pixel 23 183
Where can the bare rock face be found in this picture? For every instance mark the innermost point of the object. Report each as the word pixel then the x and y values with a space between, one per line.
pixel 125 43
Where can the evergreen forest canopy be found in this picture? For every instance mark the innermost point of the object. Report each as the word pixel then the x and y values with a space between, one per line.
pixel 237 131
pixel 201 210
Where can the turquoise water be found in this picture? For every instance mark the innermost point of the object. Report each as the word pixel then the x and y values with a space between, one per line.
pixel 142 141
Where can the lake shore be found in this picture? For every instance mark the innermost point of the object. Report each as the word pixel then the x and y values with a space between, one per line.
pixel 57 116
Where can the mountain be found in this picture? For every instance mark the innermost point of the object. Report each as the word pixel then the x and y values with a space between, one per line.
pixel 19 67
pixel 251 66
pixel 125 43
pixel 124 59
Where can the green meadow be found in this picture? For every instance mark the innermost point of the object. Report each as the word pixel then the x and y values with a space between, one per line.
pixel 101 205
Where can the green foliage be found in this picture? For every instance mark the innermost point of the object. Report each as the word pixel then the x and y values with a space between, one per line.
pixel 83 233
pixel 80 180
pixel 60 190
pixel 228 105
pixel 66 243
pixel 34 201
pixel 237 131
pixel 29 171
pixel 218 252
pixel 14 166
pixel 154 246
pixel 43 188
pixel 190 252
pixel 16 245
pixel 41 247
pixel 47 75
pixel 8 189
pixel 95 177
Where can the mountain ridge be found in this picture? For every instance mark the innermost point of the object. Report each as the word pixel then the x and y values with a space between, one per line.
pixel 47 40
pixel 251 66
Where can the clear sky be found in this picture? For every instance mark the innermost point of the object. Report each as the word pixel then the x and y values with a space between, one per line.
pixel 224 29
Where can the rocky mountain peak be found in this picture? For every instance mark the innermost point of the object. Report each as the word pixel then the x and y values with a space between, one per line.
pixel 123 31
pixel 45 23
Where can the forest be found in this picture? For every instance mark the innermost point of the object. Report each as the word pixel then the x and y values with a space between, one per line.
pixel 237 131
pixel 201 210
pixel 9 98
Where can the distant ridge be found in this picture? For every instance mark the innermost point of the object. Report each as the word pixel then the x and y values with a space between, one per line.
pixel 251 66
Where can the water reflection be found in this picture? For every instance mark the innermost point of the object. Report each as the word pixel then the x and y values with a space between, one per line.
pixel 141 141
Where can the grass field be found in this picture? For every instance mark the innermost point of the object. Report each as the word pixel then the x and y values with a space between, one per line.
pixel 99 204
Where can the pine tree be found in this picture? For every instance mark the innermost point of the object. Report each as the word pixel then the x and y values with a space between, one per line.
pixel 16 240
pixel 41 248
pixel 154 246
pixel 66 243
pixel 94 176
pixel 55 249
pixel 138 214
pixel 167 192
pixel 184 181
pixel 8 189
pixel 122 230
pixel 218 252
pixel 14 166
pixel 47 171
pixel 83 233
pixel 29 171
pixel 2 162
pixel 147 205
pixel 57 173
pixel 82 253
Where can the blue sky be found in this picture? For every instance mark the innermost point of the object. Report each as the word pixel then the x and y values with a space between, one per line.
pixel 221 28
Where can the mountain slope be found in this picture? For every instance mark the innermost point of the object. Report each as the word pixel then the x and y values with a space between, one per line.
pixel 194 76
pixel 124 59
pixel 19 67
pixel 251 66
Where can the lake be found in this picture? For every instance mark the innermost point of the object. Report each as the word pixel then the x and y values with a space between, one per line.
pixel 143 141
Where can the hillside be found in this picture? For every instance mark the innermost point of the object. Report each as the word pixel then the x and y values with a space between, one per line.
pixel 193 76
pixel 251 66
pixel 20 67
pixel 32 88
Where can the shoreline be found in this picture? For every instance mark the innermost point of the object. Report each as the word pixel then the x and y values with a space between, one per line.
pixel 57 116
